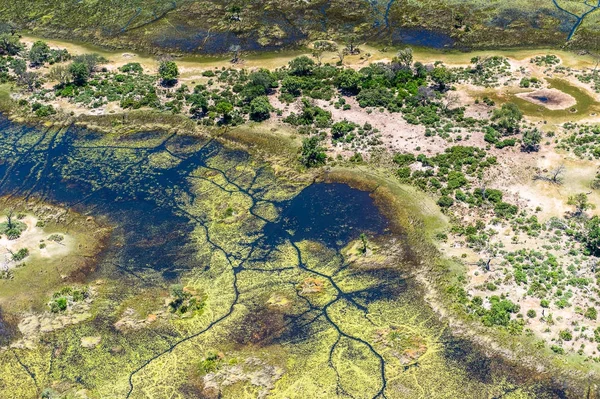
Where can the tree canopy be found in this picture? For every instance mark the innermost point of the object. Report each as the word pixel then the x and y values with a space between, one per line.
pixel 168 72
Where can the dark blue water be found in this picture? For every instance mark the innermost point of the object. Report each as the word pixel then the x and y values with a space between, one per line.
pixel 333 214
pixel 150 203
pixel 421 37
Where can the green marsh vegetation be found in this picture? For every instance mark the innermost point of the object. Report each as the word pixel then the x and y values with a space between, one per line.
pixel 204 26
pixel 266 299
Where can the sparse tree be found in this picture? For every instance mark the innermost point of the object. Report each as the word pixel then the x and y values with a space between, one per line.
pixel 91 61
pixel 341 53
pixel 28 79
pixel 18 66
pixel 10 224
pixel 351 42
pixel 405 57
pixel 235 54
pixel 320 47
pixel 60 73
pixel 507 118
pixel 10 44
pixel 363 239
pixel 581 203
pixel 556 175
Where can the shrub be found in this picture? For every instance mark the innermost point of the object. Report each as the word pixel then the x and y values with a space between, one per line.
pixel 531 313
pixel 20 254
pixel 132 67
pixel 445 201
pixel 56 237
pixel 505 210
pixel 58 304
pixel 209 364
pixel 565 335
pixel 591 313
pixel 340 129
pixel 312 154
pixel 404 159
pixel 403 173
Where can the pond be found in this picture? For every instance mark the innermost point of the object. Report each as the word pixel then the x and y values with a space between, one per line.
pixel 584 107
pixel 300 283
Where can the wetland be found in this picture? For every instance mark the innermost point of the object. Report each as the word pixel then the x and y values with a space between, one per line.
pixel 253 283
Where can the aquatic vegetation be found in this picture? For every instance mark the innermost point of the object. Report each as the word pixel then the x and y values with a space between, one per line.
pixel 220 269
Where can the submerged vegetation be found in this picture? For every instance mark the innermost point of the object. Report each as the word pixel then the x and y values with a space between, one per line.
pixel 214 26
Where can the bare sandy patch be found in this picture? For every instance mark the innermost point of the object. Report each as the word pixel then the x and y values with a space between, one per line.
pixel 552 99
pixel 31 238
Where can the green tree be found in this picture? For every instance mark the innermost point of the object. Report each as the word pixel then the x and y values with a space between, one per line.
pixel 168 72
pixel 312 154
pixel 198 103
pixel 79 73
pixel 531 140
pixel 441 76
pixel 224 108
pixel 581 203
pixel 292 85
pixel 263 79
pixel 39 53
pixel 301 66
pixel 260 109
pixel 507 118
pixel 10 44
pixel 348 81
pixel 591 234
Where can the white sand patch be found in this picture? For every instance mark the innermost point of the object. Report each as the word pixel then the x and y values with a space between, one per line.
pixel 552 99
pixel 31 238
